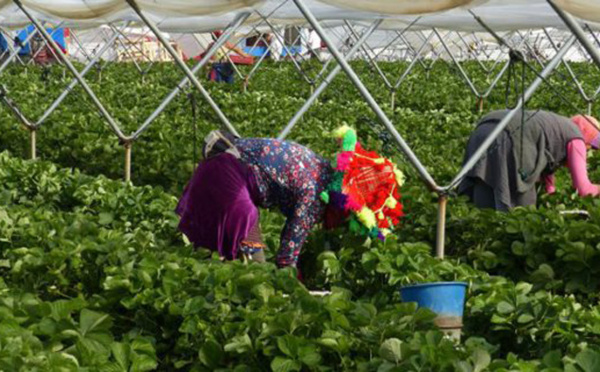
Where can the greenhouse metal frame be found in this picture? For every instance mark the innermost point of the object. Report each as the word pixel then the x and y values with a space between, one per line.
pixel 399 16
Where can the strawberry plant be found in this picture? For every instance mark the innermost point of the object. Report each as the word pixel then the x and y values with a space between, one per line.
pixel 95 276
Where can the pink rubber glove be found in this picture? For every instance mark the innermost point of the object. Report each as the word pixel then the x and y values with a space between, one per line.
pixel 577 163
pixel 549 183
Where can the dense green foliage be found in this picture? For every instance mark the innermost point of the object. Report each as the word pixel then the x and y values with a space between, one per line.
pixel 95 277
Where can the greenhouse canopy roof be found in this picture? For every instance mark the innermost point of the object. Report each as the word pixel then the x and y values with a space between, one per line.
pixel 205 15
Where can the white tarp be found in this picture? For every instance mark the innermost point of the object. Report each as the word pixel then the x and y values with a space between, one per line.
pixel 400 6
pixel 90 9
pixel 206 15
pixel 584 9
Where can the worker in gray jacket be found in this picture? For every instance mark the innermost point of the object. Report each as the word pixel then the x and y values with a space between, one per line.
pixel 528 151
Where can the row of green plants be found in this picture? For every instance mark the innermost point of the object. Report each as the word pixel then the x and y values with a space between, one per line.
pixel 432 112
pixel 83 291
pixel 95 276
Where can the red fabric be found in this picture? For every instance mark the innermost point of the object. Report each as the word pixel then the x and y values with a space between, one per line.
pixel 370 184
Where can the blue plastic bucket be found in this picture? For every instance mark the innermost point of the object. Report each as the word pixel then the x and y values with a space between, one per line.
pixel 446 299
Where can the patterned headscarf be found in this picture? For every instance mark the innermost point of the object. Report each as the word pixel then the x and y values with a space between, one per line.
pixel 589 128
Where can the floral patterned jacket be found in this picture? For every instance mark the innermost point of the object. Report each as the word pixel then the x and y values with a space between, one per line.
pixel 290 177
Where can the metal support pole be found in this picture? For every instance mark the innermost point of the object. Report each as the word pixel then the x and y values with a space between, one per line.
pixel 255 67
pixel 130 55
pixel 112 123
pixel 311 100
pixel 182 66
pixel 369 57
pixel 16 51
pixel 412 158
pixel 399 34
pixel 127 147
pixel 33 143
pixel 440 246
pixel 414 52
pixel 413 63
pixel 576 81
pixel 133 44
pixel 458 65
pixel 281 40
pixel 10 45
pixel 74 82
pixel 185 81
pixel 473 53
pixel 504 122
pixel 15 110
pixel 496 80
pixel 578 32
pixel 80 46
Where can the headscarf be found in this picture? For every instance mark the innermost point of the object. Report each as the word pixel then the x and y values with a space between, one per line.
pixel 588 126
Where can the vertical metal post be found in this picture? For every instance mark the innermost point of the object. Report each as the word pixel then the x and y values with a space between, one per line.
pixel 412 158
pixel 127 147
pixel 182 66
pixel 33 143
pixel 440 246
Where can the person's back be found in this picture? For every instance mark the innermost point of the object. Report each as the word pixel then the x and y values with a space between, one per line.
pixel 290 177
pixel 531 147
pixel 284 170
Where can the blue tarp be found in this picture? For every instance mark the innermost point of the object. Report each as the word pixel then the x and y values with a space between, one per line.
pixel 58 36
pixel 260 50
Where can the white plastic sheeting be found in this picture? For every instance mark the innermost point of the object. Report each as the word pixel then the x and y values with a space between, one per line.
pixel 90 9
pixel 207 15
pixel 585 9
pixel 400 6
pixel 497 14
